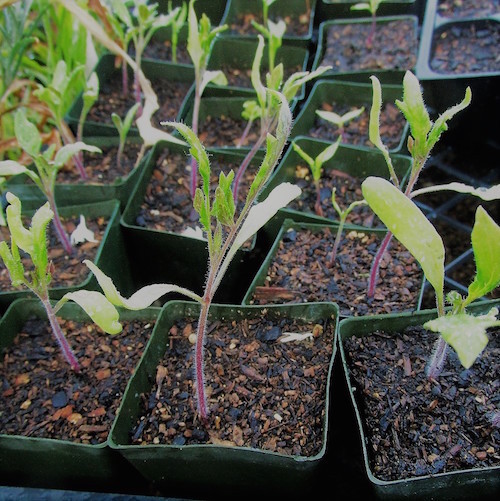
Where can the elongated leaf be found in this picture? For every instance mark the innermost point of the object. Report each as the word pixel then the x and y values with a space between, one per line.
pixel 65 153
pixel 27 135
pixel 488 194
pixel 465 333
pixel 328 152
pixel 142 298
pixel 255 75
pixel 486 246
pixel 215 77
pixel 18 233
pixel 410 226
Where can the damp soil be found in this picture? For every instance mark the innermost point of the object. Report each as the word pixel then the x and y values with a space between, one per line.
pixel 66 270
pixel 161 50
pixel 297 25
pixel 469 47
pixel 223 130
pixel 416 426
pixel 262 393
pixel 355 132
pixel 241 77
pixel 300 271
pixel 168 205
pixel 42 397
pixel 395 46
pixel 468 8
pixel 111 99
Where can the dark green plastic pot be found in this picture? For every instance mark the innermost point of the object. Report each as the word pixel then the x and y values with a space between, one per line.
pixel 235 53
pixel 106 71
pixel 206 470
pixel 346 94
pixel 83 192
pixel 385 75
pixel 478 483
pixel 111 257
pixel 175 258
pixel 358 162
pixel 214 9
pixel 260 277
pixel 50 463
pixel 341 9
pixel 280 9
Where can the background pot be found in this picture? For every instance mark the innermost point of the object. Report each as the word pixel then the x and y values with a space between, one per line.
pixel 223 469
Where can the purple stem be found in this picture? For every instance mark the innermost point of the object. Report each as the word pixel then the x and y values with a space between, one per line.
pixel 137 92
pixel 438 359
pixel 59 335
pixel 124 78
pixel 77 159
pixel 61 232
pixel 376 263
pixel 201 398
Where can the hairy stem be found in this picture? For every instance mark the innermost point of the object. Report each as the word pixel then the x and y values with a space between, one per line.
pixel 194 127
pixel 245 134
pixel 338 238
pixel 201 397
pixel 60 338
pixel 438 359
pixel 61 232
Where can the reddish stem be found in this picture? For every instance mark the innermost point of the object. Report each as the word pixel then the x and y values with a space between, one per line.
pixel 376 263
pixel 201 398
pixel 194 127
pixel 124 78
pixel 61 232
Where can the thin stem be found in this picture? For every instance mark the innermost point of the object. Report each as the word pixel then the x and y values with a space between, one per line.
pixel 317 205
pixel 201 398
pixel 245 134
pixel 376 263
pixel 61 232
pixel 67 137
pixel 124 78
pixel 60 338
pixel 371 36
pixel 194 127
pixel 438 359
pixel 338 238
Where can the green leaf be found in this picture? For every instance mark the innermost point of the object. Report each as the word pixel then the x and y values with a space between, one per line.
pixel 65 153
pixel 295 81
pixel 465 333
pixel 19 234
pixel 410 226
pixel 38 230
pixel 13 263
pixel 328 152
pixel 194 42
pixel 255 75
pixel 486 246
pixel 27 135
pixel 215 77
pixel 224 207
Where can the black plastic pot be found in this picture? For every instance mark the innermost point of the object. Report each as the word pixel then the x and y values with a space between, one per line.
pixel 279 9
pixel 203 470
pixel 385 75
pixel 83 192
pixel 107 71
pixel 110 258
pixel 351 94
pixel 291 226
pixel 214 9
pixel 49 463
pixel 476 483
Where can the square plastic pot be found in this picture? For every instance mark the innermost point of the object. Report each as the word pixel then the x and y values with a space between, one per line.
pixel 204 469
pixel 478 483
pixel 61 464
pixel 110 258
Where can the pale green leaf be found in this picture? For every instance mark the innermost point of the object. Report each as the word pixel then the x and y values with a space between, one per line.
pixel 215 77
pixel 65 153
pixel 328 152
pixel 488 194
pixel 410 226
pixel 27 135
pixel 255 75
pixel 465 333
pixel 19 234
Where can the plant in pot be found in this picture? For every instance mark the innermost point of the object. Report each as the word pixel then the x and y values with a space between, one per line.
pixel 62 376
pixel 426 437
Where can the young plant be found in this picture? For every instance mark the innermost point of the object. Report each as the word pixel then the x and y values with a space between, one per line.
pixel 371 6
pixel 226 230
pixel 268 104
pixel 56 97
pixel 89 97
pixel 343 213
pixel 33 242
pixel 340 120
pixel 123 127
pixel 200 39
pixel 316 166
pixel 424 134
pixel 273 32
pixel 251 112
pixel 47 163
pixel 178 20
pixel 464 332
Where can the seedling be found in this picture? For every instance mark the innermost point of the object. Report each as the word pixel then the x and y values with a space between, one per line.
pixel 123 127
pixel 33 241
pixel 55 96
pixel 340 120
pixel 424 134
pixel 200 39
pixel 251 112
pixel 89 97
pixel 343 213
pixel 371 6
pixel 464 332
pixel 47 163
pixel 273 32
pixel 268 104
pixel 178 20
pixel 316 166
pixel 225 229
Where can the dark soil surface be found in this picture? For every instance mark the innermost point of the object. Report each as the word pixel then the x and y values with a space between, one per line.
pixel 262 393
pixel 392 124
pixel 220 131
pixel 300 272
pixel 467 48
pixel 162 51
pixel 347 190
pixel 416 426
pixel 42 397
pixel 468 8
pixel 395 46
pixel 168 204
pixel 103 168
pixel 241 77
pixel 297 25
pixel 111 99
pixel 66 270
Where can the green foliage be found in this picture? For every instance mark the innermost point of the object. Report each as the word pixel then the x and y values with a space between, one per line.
pixel 178 20
pixel 316 164
pixel 123 127
pixel 371 6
